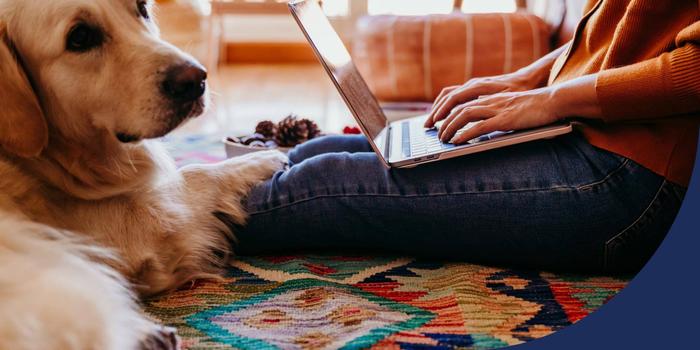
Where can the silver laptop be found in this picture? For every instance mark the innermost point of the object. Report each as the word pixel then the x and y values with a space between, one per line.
pixel 400 144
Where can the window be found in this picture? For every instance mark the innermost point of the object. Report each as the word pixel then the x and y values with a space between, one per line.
pixel 336 8
pixel 486 6
pixel 409 7
pixel 341 8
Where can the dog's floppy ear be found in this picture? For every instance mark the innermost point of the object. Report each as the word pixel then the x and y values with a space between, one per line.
pixel 23 129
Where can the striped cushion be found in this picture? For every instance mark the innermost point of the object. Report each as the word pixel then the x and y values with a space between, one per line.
pixel 412 58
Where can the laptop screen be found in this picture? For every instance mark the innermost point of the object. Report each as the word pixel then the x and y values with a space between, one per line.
pixel 336 58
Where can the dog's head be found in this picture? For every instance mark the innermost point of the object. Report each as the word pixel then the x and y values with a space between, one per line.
pixel 82 68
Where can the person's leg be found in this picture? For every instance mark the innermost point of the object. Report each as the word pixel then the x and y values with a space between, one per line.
pixel 555 204
pixel 329 144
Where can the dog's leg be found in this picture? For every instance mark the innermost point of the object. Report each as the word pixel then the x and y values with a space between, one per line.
pixel 224 184
pixel 239 174
pixel 53 295
pixel 161 338
pixel 214 193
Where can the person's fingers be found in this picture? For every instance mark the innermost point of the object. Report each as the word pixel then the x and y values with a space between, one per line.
pixel 456 112
pixel 446 103
pixel 457 97
pixel 485 127
pixel 446 91
pixel 439 101
pixel 466 116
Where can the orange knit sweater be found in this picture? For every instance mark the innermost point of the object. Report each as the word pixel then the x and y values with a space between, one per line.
pixel 647 54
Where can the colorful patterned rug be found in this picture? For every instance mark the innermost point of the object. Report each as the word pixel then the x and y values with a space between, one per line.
pixel 334 302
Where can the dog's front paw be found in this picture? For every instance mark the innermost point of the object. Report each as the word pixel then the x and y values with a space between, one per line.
pixel 267 163
pixel 162 338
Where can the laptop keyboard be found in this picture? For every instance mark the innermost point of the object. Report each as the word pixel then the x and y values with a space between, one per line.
pixel 417 141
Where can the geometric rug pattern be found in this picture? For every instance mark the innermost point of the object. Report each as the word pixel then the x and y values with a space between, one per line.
pixel 331 302
pixel 350 302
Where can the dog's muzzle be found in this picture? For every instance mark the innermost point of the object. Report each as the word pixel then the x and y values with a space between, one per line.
pixel 184 87
pixel 185 84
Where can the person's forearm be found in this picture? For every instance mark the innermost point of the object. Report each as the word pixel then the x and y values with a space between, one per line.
pixel 538 72
pixel 576 98
pixel 532 77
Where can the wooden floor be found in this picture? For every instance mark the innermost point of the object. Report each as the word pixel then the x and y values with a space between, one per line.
pixel 243 95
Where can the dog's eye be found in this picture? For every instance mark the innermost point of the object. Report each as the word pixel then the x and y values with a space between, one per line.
pixel 83 38
pixel 143 9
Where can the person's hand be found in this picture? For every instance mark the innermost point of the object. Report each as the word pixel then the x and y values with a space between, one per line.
pixel 523 110
pixel 454 96
pixel 501 112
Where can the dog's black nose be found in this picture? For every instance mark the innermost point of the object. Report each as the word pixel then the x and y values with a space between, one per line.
pixel 185 83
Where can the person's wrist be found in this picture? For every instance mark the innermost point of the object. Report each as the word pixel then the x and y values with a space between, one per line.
pixel 558 101
pixel 577 98
pixel 533 77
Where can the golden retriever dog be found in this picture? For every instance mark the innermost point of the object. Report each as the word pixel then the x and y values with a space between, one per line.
pixel 92 212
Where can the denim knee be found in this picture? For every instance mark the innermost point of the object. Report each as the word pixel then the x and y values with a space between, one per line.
pixel 304 151
pixel 329 144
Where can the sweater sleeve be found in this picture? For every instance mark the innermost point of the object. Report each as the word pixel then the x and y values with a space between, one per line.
pixel 665 86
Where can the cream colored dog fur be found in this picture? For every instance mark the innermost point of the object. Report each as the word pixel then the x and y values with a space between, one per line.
pixel 91 211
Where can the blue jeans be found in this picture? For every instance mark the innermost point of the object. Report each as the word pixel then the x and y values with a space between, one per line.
pixel 557 204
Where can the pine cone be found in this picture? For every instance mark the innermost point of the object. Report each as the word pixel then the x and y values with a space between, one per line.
pixel 312 127
pixel 293 131
pixel 266 128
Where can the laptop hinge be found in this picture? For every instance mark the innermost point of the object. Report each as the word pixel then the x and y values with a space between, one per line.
pixel 387 147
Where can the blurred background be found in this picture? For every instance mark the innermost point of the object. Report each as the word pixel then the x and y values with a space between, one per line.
pixel 261 66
